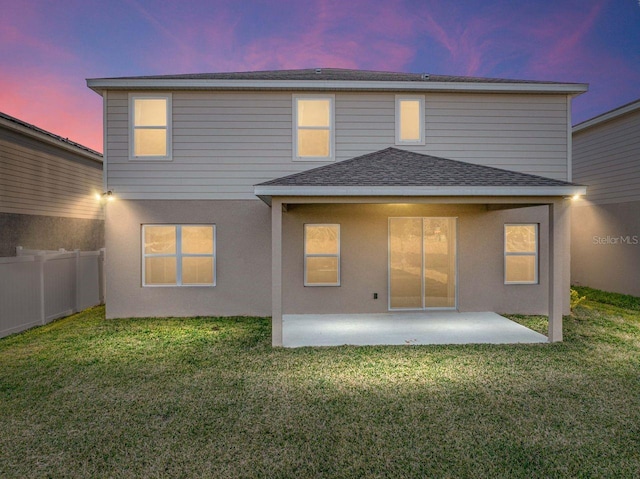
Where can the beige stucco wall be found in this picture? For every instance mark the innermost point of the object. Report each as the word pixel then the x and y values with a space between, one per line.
pixel 364 233
pixel 243 259
pixel 605 245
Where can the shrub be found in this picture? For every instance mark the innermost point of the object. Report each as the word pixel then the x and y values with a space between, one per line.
pixel 575 299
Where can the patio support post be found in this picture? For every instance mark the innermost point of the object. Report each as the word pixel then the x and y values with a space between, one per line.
pixel 558 218
pixel 276 272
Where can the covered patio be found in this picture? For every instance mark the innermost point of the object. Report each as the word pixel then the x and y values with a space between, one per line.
pixel 363 198
pixel 404 328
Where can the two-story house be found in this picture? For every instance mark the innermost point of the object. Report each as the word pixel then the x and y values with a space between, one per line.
pixel 47 190
pixel 336 191
pixel 605 237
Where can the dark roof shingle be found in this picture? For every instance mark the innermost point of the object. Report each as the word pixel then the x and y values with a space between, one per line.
pixel 332 74
pixel 395 167
pixel 53 136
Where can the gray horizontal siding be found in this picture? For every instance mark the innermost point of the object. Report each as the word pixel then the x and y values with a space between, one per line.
pixel 606 158
pixel 226 142
pixel 39 179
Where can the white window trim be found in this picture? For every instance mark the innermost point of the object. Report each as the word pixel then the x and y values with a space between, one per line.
pixel 332 129
pixel 321 255
pixel 421 140
pixel 179 255
pixel 535 254
pixel 132 127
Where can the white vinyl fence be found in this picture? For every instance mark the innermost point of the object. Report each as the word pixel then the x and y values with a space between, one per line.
pixel 37 286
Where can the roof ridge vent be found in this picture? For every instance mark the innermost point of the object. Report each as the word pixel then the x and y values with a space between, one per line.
pixel 425 76
pixel 318 71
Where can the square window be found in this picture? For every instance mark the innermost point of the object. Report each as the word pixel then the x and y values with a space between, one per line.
pixel 160 270
pixel 179 255
pixel 197 270
pixel 150 111
pixel 314 112
pixel 322 270
pixel 150 142
pixel 314 143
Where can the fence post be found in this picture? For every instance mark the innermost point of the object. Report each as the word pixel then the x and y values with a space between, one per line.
pixel 78 281
pixel 40 259
pixel 102 283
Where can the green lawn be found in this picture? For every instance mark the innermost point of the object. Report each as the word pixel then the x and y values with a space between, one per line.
pixel 206 397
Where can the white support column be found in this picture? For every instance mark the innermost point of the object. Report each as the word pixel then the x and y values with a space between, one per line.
pixel 558 219
pixel 276 272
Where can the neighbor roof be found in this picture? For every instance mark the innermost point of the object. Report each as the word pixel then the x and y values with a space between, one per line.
pixel 330 78
pixel 607 116
pixel 33 131
pixel 395 172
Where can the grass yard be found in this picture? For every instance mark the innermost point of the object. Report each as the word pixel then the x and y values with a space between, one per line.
pixel 203 397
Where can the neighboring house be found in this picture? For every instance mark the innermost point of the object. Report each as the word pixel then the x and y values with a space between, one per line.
pixel 605 238
pixel 336 191
pixel 48 188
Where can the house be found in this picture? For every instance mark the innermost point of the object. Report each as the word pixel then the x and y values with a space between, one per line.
pixel 48 187
pixel 605 238
pixel 336 191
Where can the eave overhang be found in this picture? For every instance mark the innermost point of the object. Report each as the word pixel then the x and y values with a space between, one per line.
pixel 130 84
pixel 266 192
pixel 608 116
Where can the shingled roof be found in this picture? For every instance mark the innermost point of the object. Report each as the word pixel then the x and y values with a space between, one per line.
pixel 331 79
pixel 332 74
pixel 399 172
pixel 13 123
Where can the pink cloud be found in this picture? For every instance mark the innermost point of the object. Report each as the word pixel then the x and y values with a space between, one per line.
pixel 26 30
pixel 328 33
pixel 562 41
pixel 54 103
pixel 12 36
pixel 471 40
pixel 41 81
pixel 355 34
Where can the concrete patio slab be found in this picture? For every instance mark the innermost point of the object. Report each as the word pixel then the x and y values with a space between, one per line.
pixel 404 328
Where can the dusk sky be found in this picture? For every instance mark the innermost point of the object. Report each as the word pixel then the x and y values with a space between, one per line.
pixel 49 47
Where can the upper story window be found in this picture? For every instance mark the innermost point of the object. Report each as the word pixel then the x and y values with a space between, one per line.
pixel 409 120
pixel 313 127
pixel 150 126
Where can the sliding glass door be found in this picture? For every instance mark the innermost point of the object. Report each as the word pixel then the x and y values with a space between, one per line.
pixel 422 263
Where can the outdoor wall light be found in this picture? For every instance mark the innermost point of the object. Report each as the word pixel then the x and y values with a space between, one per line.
pixel 104 197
